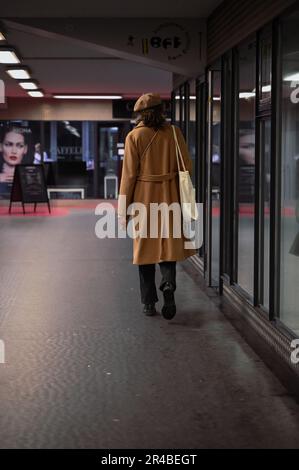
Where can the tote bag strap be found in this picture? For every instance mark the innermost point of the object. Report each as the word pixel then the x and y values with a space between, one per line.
pixel 178 152
pixel 148 145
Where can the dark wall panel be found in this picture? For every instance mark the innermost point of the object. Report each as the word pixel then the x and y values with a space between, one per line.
pixel 234 20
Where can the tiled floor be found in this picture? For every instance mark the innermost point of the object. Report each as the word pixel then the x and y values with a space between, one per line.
pixel 85 369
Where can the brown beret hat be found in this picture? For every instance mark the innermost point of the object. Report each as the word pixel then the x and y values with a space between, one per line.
pixel 148 100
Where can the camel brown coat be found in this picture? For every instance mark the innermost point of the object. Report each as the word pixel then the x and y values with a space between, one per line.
pixel 138 186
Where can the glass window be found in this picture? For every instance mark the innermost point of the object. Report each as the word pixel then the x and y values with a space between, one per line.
pixel 70 166
pixel 265 166
pixel 182 110
pixel 47 155
pixel 265 68
pixel 109 158
pixel 227 165
pixel 177 108
pixel 289 269
pixel 246 165
pixel 212 176
pixel 69 141
pixel 192 124
pixel 215 175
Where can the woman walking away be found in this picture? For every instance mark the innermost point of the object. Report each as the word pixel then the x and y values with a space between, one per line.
pixel 150 175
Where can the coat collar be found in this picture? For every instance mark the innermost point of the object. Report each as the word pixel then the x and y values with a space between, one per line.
pixel 140 124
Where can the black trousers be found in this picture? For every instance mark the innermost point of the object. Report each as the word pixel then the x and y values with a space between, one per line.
pixel 147 280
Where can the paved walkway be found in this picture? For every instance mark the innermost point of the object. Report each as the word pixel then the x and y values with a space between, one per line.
pixel 85 369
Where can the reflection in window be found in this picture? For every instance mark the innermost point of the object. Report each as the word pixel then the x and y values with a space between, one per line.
pixel 289 270
pixel 69 141
pixel 266 66
pixel 215 173
pixel 192 127
pixel 265 159
pixel 182 105
pixel 109 157
pixel 177 107
pixel 246 165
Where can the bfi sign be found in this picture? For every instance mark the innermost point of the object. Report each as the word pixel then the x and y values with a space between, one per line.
pixel 157 42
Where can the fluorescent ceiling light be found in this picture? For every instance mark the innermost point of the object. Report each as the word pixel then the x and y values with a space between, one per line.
pixel 8 56
pixel 191 97
pixel 19 73
pixel 246 94
pixel 36 94
pixel 2 38
pixel 216 98
pixel 292 78
pixel 88 97
pixel 266 88
pixel 28 85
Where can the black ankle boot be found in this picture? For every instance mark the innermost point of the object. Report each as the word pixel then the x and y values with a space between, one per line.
pixel 149 310
pixel 169 307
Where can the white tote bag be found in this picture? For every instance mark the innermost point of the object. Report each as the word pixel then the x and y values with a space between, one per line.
pixel 187 192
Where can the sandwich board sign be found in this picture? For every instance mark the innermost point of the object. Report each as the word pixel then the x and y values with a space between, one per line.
pixel 29 186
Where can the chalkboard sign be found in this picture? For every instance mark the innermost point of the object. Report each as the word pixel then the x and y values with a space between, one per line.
pixel 29 186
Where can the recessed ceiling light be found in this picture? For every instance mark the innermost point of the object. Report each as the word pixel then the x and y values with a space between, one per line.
pixel 191 97
pixel 36 94
pixel 28 85
pixel 8 56
pixel 2 38
pixel 88 97
pixel 266 88
pixel 246 94
pixel 19 73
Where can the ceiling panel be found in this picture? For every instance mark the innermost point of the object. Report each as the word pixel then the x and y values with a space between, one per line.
pixel 32 45
pixel 106 9
pixel 92 76
pixel 61 67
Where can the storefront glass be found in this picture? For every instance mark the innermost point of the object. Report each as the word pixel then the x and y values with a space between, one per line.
pixel 75 154
pixel 109 159
pixel 215 162
pixel 289 234
pixel 246 164
pixel 177 108
pixel 265 167
pixel 192 124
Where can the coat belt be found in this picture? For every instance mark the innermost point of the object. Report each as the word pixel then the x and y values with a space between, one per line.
pixel 163 177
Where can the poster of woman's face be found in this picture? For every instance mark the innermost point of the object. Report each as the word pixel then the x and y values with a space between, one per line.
pixel 14 148
pixel 247 147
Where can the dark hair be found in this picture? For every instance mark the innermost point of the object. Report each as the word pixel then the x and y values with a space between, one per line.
pixel 25 132
pixel 152 117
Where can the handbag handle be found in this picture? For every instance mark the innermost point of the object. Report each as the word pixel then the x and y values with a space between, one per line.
pixel 178 151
